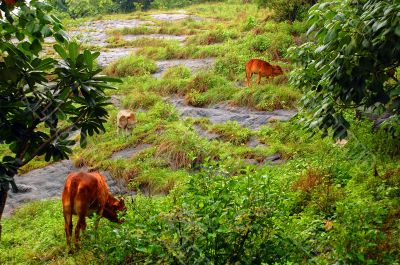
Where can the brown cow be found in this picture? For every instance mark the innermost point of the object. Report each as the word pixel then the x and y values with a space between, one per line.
pixel 85 194
pixel 262 68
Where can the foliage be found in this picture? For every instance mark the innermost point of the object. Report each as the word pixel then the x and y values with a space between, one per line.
pixel 43 100
pixel 350 65
pixel 290 10
pixel 77 8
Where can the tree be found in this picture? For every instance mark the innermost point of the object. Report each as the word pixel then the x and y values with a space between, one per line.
pixel 43 100
pixel 351 64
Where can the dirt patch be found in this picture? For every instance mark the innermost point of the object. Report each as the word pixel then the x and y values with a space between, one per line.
pixel 193 64
pixel 222 113
pixel 48 182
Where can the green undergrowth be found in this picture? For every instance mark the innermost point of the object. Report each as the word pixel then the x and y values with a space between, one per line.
pixel 327 203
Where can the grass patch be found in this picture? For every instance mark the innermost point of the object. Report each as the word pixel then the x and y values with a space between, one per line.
pixel 131 65
pixel 232 132
pixel 267 97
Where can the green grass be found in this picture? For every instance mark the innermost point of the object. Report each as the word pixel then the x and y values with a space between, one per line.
pixel 131 65
pixel 267 97
pixel 204 195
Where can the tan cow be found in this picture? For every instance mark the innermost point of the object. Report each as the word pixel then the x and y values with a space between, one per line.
pixel 125 120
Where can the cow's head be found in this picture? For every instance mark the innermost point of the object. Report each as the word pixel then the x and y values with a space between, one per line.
pixel 113 207
pixel 277 70
pixel 130 120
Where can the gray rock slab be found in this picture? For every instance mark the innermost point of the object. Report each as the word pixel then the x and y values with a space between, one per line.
pixel 129 152
pixel 222 113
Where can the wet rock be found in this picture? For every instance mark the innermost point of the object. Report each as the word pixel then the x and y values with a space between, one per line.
pixel 253 142
pixel 155 36
pixel 273 159
pixel 193 64
pixel 222 113
pixel 174 17
pixel 103 25
pixel 48 182
pixel 129 152
pixel 205 134
pixel 116 101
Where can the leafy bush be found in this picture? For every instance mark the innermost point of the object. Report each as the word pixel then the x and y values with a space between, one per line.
pixel 131 65
pixel 335 70
pixel 290 10
pixel 76 8
pixel 261 43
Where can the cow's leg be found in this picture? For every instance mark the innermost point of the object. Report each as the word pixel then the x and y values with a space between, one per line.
pixel 259 78
pixel 68 227
pixel 80 225
pixel 96 222
pixel 67 222
pixel 248 77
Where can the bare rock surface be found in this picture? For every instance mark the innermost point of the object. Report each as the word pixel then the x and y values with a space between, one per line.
pixel 173 17
pixel 48 182
pixel 113 54
pixel 221 113
pixel 155 36
pixel 129 152
pixel 206 134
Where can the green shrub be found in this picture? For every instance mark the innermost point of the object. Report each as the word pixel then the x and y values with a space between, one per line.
pixel 290 10
pixel 261 43
pixel 250 24
pixel 131 65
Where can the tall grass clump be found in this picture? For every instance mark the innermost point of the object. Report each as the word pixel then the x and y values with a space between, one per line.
pixel 268 97
pixel 177 72
pixel 232 132
pixel 180 147
pixel 131 65
pixel 206 88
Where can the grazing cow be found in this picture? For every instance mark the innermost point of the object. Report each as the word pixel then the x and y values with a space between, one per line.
pixel 85 194
pixel 262 68
pixel 125 120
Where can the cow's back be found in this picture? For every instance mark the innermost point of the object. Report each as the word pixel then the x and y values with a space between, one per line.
pixel 87 192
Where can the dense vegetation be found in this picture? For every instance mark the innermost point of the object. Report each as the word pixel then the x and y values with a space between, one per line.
pixel 222 201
